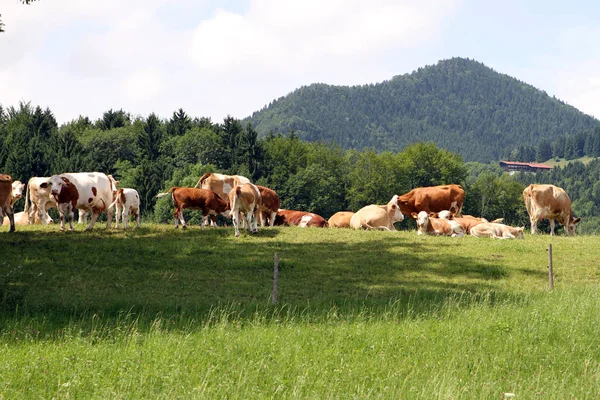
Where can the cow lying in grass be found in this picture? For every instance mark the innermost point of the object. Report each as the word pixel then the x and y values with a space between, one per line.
pixel 497 231
pixel 378 216
pixel 429 225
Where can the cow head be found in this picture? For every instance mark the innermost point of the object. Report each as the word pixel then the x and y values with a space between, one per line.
pixel 55 184
pixel 422 222
pixel 393 210
pixel 17 190
pixel 445 214
pixel 572 225
pixel 519 231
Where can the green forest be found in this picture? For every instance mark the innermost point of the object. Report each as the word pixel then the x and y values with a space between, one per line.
pixel 458 104
pixel 152 154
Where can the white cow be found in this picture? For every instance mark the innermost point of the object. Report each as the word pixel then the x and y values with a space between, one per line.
pixel 87 191
pixel 497 231
pixel 126 201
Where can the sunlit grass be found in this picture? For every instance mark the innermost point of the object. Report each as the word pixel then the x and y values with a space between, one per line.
pixel 161 313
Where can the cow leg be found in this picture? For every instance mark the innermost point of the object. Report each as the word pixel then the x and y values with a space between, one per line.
pixel 109 216
pixel 95 214
pixel 533 221
pixel 40 209
pixel 11 217
pixel 125 217
pixel 236 223
pixel 182 220
pixel 272 218
pixel 256 214
pixel 552 228
pixel 136 212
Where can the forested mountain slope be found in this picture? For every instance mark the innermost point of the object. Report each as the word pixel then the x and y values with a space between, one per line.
pixel 459 104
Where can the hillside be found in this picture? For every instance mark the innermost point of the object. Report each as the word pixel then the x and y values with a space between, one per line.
pixel 459 104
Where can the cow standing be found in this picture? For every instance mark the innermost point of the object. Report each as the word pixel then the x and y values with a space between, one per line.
pixel 269 205
pixel 87 191
pixel 551 202
pixel 204 200
pixel 6 200
pixel 433 199
pixel 220 184
pixel 378 216
pixel 41 201
pixel 126 201
pixel 245 199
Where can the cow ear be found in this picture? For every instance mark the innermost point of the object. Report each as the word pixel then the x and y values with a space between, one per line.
pixel 65 180
pixel 433 215
pixel 414 215
pixel 451 216
pixel 44 185
pixel 576 221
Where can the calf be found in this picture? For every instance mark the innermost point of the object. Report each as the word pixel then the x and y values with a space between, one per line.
pixel 245 199
pixel 495 230
pixel 6 200
pixel 269 205
pixel 340 219
pixel 87 191
pixel 378 216
pixel 303 219
pixel 126 201
pixel 429 225
pixel 204 200
pixel 41 201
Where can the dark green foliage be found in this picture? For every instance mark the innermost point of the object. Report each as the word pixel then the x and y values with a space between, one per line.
pixel 458 104
pixel 179 123
pixel 113 119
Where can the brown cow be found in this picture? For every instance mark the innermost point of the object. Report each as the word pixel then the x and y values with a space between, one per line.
pixel 302 219
pixel 340 219
pixel 220 184
pixel 433 199
pixel 466 221
pixel 269 205
pixel 196 199
pixel 551 202
pixel 245 199
pixel 378 216
pixel 6 200
pixel 429 225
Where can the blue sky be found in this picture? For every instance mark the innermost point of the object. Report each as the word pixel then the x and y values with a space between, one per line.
pixel 219 58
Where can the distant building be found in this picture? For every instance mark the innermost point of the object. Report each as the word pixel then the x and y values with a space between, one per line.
pixel 514 166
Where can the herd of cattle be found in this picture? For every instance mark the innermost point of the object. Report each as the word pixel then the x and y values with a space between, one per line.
pixel 436 209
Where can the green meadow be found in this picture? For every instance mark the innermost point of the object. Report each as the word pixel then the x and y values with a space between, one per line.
pixel 163 313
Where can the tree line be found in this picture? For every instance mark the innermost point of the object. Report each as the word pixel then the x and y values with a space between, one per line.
pixel 152 154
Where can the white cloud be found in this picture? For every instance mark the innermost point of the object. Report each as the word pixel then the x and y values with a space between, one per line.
pixel 142 86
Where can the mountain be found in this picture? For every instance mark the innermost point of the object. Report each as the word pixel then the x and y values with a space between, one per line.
pixel 460 104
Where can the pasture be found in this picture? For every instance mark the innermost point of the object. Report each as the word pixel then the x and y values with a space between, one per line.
pixel 163 313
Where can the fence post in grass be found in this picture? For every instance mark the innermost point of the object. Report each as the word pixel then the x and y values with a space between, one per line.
pixel 550 271
pixel 275 278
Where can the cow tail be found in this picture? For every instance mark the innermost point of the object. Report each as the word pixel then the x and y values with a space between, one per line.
pixel 167 192
pixel 26 209
pixel 202 179
pixel 119 197
pixel 236 194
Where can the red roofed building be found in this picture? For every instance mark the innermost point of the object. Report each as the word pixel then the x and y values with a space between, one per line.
pixel 514 166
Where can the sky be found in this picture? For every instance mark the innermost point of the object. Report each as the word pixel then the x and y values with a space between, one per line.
pixel 232 58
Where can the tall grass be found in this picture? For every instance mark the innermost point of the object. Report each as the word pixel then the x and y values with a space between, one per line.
pixel 159 313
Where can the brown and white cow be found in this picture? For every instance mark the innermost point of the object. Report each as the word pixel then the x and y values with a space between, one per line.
pixel 269 205
pixel 378 216
pixel 466 221
pixel 551 202
pixel 41 201
pixel 17 190
pixel 433 199
pixel 340 219
pixel 204 200
pixel 220 184
pixel 21 218
pixel 303 219
pixel 429 225
pixel 6 200
pixel 245 200
pixel 126 201
pixel 497 231
pixel 87 191
pixel 16 193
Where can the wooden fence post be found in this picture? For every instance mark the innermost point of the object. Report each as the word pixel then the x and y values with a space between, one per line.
pixel 550 271
pixel 275 279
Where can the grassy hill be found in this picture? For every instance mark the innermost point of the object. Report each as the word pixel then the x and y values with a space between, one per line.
pixel 459 104
pixel 561 162
pixel 164 313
